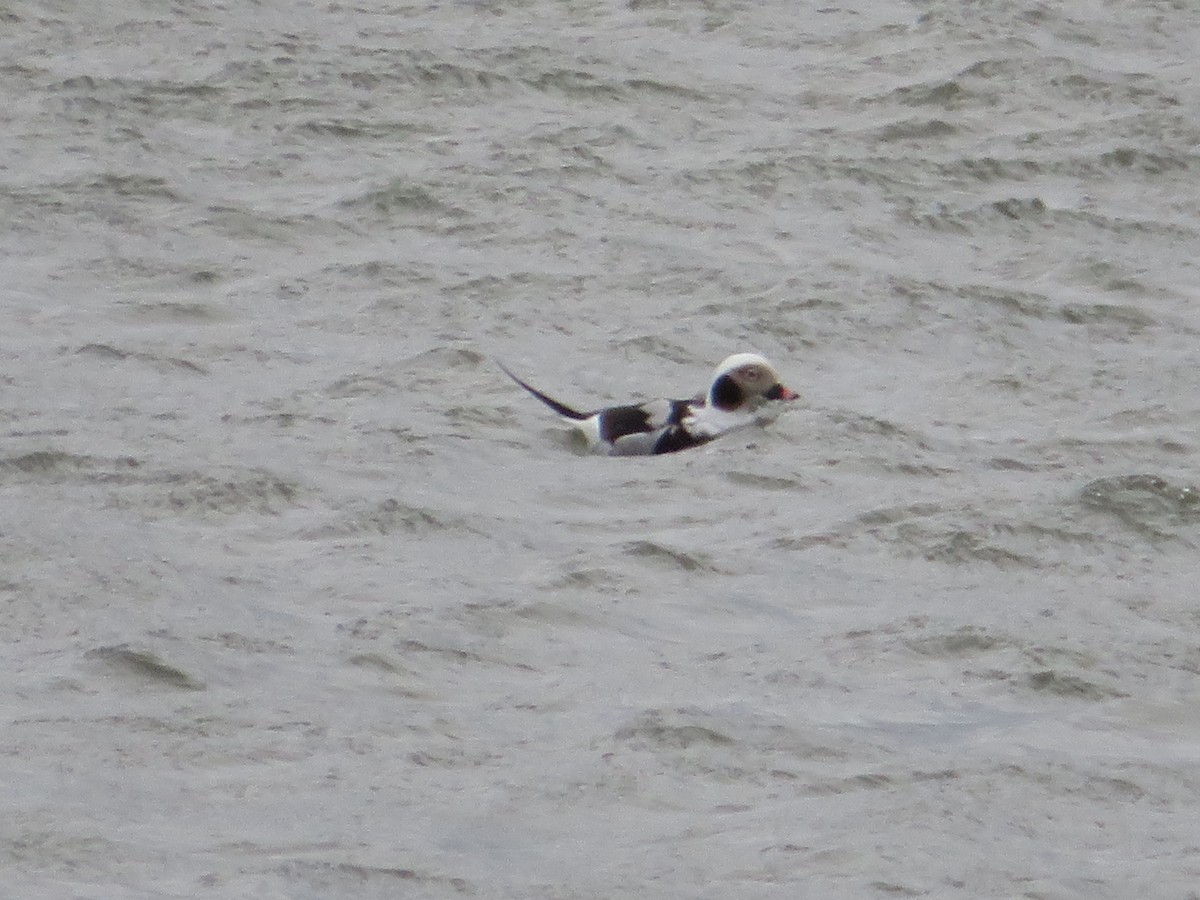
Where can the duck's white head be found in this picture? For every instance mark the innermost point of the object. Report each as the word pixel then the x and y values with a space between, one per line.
pixel 745 381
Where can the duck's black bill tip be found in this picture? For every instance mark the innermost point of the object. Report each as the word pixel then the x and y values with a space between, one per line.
pixel 779 392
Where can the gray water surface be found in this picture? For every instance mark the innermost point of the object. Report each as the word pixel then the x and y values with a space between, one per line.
pixel 303 598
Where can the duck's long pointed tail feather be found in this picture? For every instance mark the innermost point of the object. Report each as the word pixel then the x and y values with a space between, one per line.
pixel 560 408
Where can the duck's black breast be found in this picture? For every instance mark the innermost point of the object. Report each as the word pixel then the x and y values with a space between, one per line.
pixel 648 428
pixel 676 437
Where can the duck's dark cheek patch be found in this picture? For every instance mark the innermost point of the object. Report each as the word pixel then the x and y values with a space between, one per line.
pixel 726 393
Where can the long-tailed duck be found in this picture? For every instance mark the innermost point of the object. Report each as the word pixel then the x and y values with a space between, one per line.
pixel 741 386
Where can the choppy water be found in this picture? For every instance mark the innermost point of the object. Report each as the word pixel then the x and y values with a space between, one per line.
pixel 302 598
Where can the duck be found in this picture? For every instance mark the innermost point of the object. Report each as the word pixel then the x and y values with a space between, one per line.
pixel 745 391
